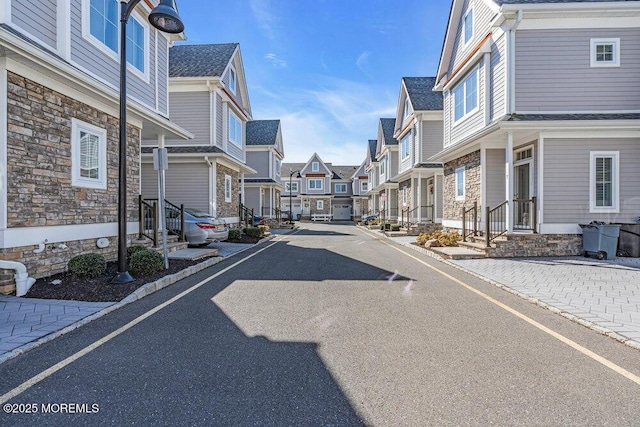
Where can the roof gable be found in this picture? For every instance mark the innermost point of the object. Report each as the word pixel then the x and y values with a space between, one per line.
pixel 322 167
pixel 201 60
pixel 263 132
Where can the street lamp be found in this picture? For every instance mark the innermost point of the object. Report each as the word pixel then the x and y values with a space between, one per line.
pixel 291 195
pixel 163 17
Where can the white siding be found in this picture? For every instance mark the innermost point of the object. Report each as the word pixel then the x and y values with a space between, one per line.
pixel 498 78
pixel 496 178
pixel 190 110
pixel 482 16
pixel 474 122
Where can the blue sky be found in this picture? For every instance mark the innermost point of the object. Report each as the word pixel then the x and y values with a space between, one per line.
pixel 328 69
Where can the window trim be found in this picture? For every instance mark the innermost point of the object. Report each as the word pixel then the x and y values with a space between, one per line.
pixel 320 180
pixel 233 80
pixel 76 180
pixel 227 189
pixel 463 83
pixel 594 43
pixel 465 40
pixel 364 186
pixel 407 113
pixel 315 166
pixel 115 54
pixel 383 167
pixel 615 186
pixel 406 139
pixel 236 143
pixel 462 196
pixel 294 185
pixel 340 184
pixel 320 205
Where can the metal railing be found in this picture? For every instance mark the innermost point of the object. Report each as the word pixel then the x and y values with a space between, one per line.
pixel 246 215
pixel 469 221
pixel 407 215
pixel 149 220
pixel 524 214
pixel 428 213
pixel 276 213
pixel 495 222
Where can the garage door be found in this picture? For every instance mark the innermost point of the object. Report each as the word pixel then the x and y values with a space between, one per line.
pixel 342 212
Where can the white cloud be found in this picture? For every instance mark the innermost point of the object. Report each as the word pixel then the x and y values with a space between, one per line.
pixel 266 20
pixel 336 119
pixel 277 62
pixel 361 62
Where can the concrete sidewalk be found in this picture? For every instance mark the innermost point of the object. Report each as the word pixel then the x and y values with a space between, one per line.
pixel 602 295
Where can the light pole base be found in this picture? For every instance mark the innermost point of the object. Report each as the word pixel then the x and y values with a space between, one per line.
pixel 122 277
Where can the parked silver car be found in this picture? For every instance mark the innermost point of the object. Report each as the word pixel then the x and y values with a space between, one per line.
pixel 200 228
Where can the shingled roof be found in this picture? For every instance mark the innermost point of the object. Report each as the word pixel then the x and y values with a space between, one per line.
pixel 372 148
pixel 388 129
pixel 421 94
pixel 262 132
pixel 201 60
pixel 343 172
pixel 501 2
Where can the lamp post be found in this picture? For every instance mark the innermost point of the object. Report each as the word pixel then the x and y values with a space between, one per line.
pixel 163 17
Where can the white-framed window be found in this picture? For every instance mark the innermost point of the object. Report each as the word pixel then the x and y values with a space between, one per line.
pixel 278 167
pixel 291 187
pixel 468 26
pixel 89 155
pixel 605 52
pixel 341 188
pixel 406 108
pixel 465 96
pixel 320 205
pixel 101 28
pixel 315 184
pixel 383 167
pixel 405 146
pixel 235 129
pixel 232 80
pixel 227 188
pixel 604 182
pixel 364 186
pixel 315 167
pixel 405 192
pixel 460 183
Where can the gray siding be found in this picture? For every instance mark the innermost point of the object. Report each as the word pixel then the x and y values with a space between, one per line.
pixel 349 189
pixel 496 178
pixel 235 151
pixel 220 124
pixel 392 167
pixel 36 17
pixel 190 110
pixel 258 160
pixel 252 199
pixel 475 121
pixel 498 76
pixel 447 118
pixel 439 187
pixel 566 183
pixel 240 84
pixel 106 67
pixel 553 71
pixel 163 80
pixel 432 138
pixel 186 183
pixel 482 16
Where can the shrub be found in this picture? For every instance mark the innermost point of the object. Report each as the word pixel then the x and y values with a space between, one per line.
pixel 146 262
pixel 133 249
pixel 235 234
pixel 264 228
pixel 395 227
pixel 422 239
pixel 253 232
pixel 87 265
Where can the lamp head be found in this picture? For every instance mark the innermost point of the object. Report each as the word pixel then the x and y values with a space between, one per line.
pixel 165 18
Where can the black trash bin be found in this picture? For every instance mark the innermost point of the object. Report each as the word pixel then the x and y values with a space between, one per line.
pixel 629 241
pixel 600 239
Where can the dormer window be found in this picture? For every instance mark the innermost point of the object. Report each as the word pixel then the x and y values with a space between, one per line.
pixel 605 52
pixel 468 26
pixel 315 167
pixel 232 80
pixel 406 108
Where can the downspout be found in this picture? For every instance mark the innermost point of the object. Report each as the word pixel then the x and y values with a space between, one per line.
pixel 511 75
pixel 212 187
pixel 23 281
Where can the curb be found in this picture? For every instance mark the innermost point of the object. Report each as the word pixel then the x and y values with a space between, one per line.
pixel 591 325
pixel 139 293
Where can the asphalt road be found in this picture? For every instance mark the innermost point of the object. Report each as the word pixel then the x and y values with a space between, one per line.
pixel 328 326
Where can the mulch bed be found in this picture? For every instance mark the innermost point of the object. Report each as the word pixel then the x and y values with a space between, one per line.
pixel 100 289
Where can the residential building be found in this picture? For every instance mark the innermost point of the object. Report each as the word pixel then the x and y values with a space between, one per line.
pixel 59 140
pixel 386 157
pixel 317 189
pixel 265 152
pixel 371 168
pixel 541 119
pixel 208 96
pixel 359 189
pixel 418 130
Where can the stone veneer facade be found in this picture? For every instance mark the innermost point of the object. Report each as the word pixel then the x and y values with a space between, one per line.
pixel 227 209
pixel 537 245
pixel 452 208
pixel 39 162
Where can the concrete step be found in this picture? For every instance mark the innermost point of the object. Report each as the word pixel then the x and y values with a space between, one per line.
pixel 171 247
pixel 453 252
pixel 193 254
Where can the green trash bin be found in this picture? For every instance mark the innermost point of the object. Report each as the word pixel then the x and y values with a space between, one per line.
pixel 600 239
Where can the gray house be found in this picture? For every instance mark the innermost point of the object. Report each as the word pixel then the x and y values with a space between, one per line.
pixel 59 94
pixel 208 96
pixel 541 120
pixel 265 152
pixel 386 157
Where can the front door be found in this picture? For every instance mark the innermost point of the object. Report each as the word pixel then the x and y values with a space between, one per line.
pixel 522 185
